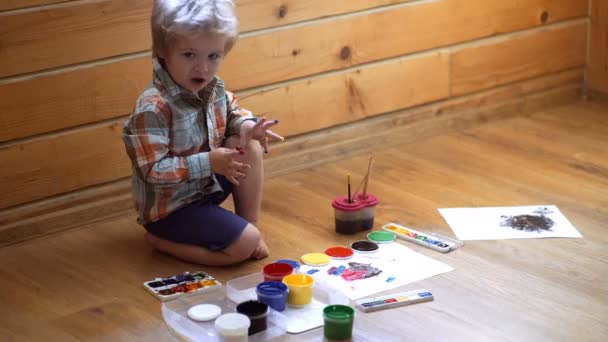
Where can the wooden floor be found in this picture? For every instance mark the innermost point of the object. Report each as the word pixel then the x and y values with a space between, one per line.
pixel 85 284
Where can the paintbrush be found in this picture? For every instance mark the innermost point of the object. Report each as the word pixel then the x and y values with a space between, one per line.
pixel 369 170
pixel 348 181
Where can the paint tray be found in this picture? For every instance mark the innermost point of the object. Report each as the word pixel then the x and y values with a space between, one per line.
pixel 175 314
pixel 294 320
pixel 434 241
pixel 184 284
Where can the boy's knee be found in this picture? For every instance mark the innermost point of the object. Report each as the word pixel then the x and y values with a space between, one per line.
pixel 251 234
pixel 254 148
pixel 247 243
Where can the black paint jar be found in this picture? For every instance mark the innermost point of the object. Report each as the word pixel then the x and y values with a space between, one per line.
pixel 257 312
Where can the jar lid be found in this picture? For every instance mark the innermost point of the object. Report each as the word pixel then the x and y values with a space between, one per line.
pixel 369 200
pixel 381 236
pixel 364 246
pixel 316 259
pixel 339 252
pixel 342 203
pixel 204 312
pixel 358 203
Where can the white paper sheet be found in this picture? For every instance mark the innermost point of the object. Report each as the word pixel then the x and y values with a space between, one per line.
pixel 497 223
pixel 394 259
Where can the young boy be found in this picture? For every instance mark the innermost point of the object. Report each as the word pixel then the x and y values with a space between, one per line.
pixel 190 143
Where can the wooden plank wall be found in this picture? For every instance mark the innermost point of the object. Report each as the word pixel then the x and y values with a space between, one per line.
pixel 597 72
pixel 70 71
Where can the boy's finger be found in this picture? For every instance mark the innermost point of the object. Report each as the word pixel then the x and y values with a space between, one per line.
pixel 242 168
pixel 269 124
pixel 274 136
pixel 233 180
pixel 237 165
pixel 265 144
pixel 260 123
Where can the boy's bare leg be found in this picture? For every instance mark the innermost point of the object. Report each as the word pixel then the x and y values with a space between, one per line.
pixel 238 251
pixel 248 195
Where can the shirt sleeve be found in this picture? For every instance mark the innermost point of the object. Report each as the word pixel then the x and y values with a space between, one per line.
pixel 236 115
pixel 146 138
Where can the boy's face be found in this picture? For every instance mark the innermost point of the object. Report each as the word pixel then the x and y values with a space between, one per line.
pixel 193 60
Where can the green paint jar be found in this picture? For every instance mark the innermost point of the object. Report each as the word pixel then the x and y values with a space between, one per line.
pixel 338 321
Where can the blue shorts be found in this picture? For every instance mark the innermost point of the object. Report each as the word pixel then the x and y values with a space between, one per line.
pixel 203 222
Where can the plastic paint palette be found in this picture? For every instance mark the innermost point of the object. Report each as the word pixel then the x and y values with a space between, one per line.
pixel 182 284
pixel 339 253
pixel 316 259
pixel 381 236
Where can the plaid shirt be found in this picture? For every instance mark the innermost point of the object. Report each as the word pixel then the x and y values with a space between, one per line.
pixel 167 139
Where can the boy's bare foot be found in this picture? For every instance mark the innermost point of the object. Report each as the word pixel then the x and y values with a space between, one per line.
pixel 261 251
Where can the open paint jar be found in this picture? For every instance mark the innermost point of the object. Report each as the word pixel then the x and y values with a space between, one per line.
pixel 300 289
pixel 232 327
pixel 338 321
pixel 276 271
pixel 257 312
pixel 293 263
pixel 355 216
pixel 272 293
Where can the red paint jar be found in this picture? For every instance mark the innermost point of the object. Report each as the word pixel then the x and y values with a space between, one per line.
pixel 277 271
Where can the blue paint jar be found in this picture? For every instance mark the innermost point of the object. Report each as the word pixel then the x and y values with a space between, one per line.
pixel 273 294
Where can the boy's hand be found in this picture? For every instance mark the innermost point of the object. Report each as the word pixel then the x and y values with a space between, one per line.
pixel 223 161
pixel 258 131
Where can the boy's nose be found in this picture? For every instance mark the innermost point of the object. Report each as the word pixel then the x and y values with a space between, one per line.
pixel 201 66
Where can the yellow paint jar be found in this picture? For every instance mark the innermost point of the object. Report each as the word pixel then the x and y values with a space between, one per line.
pixel 300 289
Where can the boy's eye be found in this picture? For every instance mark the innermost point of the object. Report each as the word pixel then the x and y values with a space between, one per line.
pixel 189 55
pixel 214 56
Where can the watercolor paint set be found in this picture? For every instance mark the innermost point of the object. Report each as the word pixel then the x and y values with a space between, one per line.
pixel 394 300
pixel 187 283
pixel 435 242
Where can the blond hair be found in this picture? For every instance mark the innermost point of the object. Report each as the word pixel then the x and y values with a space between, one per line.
pixel 171 18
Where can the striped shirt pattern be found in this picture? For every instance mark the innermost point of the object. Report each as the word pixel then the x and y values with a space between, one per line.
pixel 168 138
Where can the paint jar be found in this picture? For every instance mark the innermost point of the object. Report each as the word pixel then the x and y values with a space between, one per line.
pixel 232 327
pixel 276 271
pixel 300 289
pixel 293 263
pixel 257 312
pixel 338 321
pixel 272 293
pixel 353 217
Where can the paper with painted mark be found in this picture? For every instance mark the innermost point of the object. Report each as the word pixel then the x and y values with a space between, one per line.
pixel 497 223
pixel 363 275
